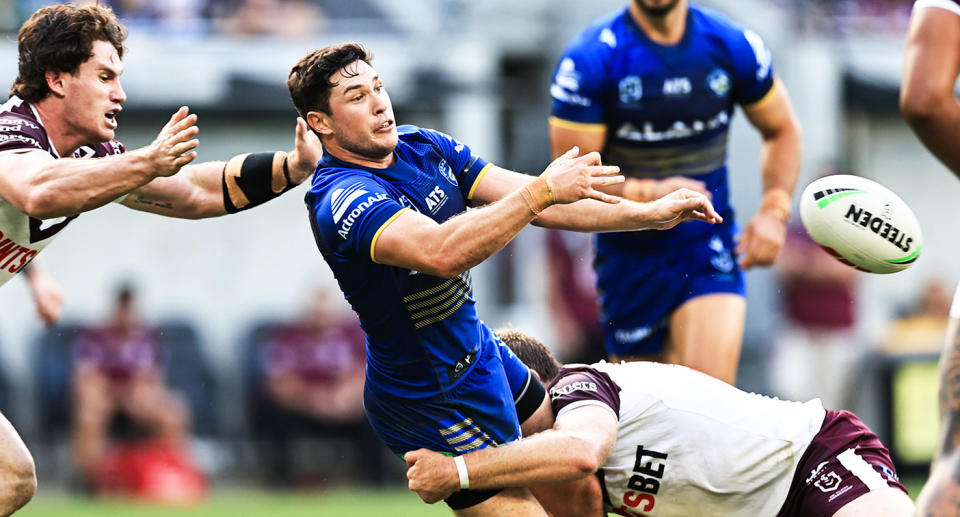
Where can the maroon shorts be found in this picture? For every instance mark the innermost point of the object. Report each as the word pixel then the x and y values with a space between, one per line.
pixel 844 461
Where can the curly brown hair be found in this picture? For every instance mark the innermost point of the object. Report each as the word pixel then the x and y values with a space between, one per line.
pixel 60 38
pixel 309 80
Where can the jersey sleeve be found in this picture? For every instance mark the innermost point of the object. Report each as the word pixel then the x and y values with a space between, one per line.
pixel 19 136
pixel 577 87
pixel 950 5
pixel 349 218
pixel 466 167
pixel 579 386
pixel 753 66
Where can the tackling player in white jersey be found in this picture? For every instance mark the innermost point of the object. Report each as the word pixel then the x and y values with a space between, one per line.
pixel 665 440
pixel 58 158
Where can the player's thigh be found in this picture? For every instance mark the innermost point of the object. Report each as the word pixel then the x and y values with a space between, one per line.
pixel 706 333
pixel 509 502
pixel 886 502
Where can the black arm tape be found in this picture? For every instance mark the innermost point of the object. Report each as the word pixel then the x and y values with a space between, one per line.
pixel 530 398
pixel 253 179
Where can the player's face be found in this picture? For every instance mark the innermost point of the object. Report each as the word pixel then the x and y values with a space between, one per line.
pixel 94 95
pixel 656 7
pixel 361 113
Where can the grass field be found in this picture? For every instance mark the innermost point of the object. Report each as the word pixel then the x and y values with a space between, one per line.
pixel 394 502
pixel 235 503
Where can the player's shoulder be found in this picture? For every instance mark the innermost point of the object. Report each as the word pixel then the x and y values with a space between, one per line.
pixel 18 123
pixel 715 22
pixel 577 384
pixel 947 5
pixel 411 134
pixel 602 36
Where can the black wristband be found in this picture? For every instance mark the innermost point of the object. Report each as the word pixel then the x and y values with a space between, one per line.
pixel 253 179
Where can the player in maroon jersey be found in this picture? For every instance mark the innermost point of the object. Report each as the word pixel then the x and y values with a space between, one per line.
pixel 58 158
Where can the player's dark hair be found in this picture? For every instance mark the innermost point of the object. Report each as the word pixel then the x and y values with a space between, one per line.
pixel 532 352
pixel 60 38
pixel 310 79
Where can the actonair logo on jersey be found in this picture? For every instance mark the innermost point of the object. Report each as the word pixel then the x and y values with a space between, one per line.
pixel 762 53
pixel 342 199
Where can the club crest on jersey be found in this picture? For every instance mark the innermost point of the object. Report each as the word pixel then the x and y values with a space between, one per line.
pixel 446 171
pixel 631 89
pixel 719 82
pixel 435 199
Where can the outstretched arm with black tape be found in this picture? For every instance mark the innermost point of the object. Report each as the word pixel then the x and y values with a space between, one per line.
pixel 211 189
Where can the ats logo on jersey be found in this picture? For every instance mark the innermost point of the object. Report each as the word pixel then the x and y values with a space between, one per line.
pixel 631 89
pixel 435 199
pixel 677 87
pixel 644 485
pixel 719 82
pixel 340 201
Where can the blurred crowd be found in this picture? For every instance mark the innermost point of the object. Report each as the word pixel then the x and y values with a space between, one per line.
pixel 276 18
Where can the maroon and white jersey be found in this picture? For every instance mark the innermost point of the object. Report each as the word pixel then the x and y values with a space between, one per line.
pixel 22 236
pixel 950 5
pixel 688 444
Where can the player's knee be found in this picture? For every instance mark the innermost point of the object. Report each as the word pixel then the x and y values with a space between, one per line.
pixel 19 484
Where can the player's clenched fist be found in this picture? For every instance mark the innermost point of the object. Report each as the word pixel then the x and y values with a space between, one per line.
pixel 679 206
pixel 431 475
pixel 174 146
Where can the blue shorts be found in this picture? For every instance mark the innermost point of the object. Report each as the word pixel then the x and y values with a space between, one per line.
pixel 640 290
pixel 479 411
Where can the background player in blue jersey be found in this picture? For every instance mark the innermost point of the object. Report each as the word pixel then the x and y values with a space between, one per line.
pixel 654 87
pixel 388 207
pixel 929 104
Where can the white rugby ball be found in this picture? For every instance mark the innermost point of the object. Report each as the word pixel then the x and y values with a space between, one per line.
pixel 861 223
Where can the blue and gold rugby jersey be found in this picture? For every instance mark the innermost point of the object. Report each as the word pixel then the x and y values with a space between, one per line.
pixel 666 109
pixel 423 332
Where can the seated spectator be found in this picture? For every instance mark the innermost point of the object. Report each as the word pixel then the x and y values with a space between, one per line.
pixel 118 372
pixel 313 375
pixel 921 325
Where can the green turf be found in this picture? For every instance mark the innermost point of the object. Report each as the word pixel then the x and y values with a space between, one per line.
pixel 392 503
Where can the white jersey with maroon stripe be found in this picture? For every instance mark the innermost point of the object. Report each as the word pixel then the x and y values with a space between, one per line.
pixel 689 444
pixel 21 236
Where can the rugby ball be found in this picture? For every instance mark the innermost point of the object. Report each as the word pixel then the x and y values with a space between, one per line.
pixel 861 223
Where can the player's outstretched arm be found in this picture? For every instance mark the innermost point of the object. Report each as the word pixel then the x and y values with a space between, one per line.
pixel 414 241
pixel 575 448
pixel 216 188
pixel 764 235
pixel 941 494
pixel 589 215
pixel 46 291
pixel 931 66
pixel 45 187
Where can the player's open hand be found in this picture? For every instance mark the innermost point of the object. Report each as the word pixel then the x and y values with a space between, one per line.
pixel 47 295
pixel 174 146
pixel 302 161
pixel 572 178
pixel 433 476
pixel 762 240
pixel 679 206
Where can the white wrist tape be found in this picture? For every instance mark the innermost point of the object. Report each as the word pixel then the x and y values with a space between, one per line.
pixel 955 308
pixel 462 472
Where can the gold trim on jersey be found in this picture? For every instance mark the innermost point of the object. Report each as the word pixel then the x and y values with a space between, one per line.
pixel 434 304
pixel 470 432
pixel 376 236
pixel 476 182
pixel 577 126
pixel 765 99
pixel 686 159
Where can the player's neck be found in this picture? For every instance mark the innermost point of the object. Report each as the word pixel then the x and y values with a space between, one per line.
pixel 346 155
pixel 665 30
pixel 61 138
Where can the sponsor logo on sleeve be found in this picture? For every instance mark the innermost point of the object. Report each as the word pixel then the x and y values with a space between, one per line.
pixel 608 38
pixel 343 199
pixel 567 389
pixel 566 84
pixel 761 52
